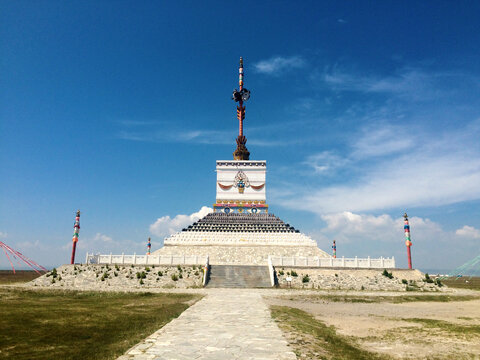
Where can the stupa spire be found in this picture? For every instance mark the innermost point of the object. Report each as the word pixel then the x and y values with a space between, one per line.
pixel 241 95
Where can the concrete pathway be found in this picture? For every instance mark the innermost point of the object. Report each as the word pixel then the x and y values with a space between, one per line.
pixel 226 324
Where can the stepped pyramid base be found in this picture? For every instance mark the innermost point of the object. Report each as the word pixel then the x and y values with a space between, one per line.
pixel 241 254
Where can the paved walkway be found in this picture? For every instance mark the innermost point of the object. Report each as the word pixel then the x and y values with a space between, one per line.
pixel 226 324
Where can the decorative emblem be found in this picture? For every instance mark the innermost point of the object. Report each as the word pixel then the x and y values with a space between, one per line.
pixel 241 182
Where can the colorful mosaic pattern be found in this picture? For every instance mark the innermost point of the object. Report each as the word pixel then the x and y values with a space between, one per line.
pixel 408 241
pixel 76 231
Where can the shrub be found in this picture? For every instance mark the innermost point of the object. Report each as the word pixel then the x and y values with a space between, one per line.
pixel 280 272
pixel 336 275
pixel 387 274
pixel 59 278
pixel 288 272
pixel 160 273
pixel 305 278
pixel 196 273
pixel 115 274
pixel 117 268
pixel 53 281
pixel 438 283
pixel 147 269
pixel 194 267
pixel 294 273
pixel 428 279
pixel 141 282
pixel 174 277
pixel 404 281
pixel 54 273
pixel 180 276
pixel 179 268
pixel 141 275
pixel 362 288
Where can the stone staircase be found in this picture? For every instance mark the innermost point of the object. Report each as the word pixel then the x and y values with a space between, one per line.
pixel 238 276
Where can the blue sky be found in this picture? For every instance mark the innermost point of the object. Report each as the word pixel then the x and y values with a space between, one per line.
pixel 362 110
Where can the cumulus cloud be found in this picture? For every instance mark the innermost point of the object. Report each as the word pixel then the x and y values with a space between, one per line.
pixel 165 225
pixel 468 232
pixel 102 238
pixel 279 63
pixel 385 171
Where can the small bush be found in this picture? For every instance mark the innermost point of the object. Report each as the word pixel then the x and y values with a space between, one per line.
pixel 387 274
pixel 147 269
pixel 404 281
pixel 160 273
pixel 336 275
pixel 141 275
pixel 294 273
pixel 115 274
pixel 288 272
pixel 141 282
pixel 438 283
pixel 280 272
pixel 53 281
pixel 194 267
pixel 428 279
pixel 180 276
pixel 54 273
pixel 305 278
pixel 196 273
pixel 117 268
pixel 179 268
pixel 174 277
pixel 59 278
pixel 362 288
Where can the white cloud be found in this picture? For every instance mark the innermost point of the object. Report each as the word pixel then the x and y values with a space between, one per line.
pixel 468 232
pixel 102 238
pixel 3 235
pixel 276 64
pixel 325 162
pixel 166 225
pixel 423 171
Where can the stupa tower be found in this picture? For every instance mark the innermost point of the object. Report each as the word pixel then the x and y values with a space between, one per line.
pixel 240 230
pixel 241 183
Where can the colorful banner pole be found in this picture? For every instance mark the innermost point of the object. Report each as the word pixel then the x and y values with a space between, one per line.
pixel 76 230
pixel 334 248
pixel 149 246
pixel 408 241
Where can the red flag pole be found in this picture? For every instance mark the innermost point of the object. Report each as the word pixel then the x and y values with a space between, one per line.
pixel 76 230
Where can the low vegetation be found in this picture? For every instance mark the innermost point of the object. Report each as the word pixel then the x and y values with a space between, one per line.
pixel 464 282
pixel 312 339
pixel 8 277
pixel 455 329
pixel 382 298
pixel 56 324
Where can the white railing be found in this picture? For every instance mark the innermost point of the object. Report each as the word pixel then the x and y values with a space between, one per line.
pixel 271 271
pixel 363 263
pixel 206 269
pixel 146 259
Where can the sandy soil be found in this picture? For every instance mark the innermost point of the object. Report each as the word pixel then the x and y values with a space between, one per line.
pixel 384 327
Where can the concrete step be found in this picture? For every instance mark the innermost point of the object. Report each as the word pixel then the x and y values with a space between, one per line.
pixel 238 276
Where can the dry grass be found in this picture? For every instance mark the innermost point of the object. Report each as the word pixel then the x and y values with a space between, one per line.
pixel 312 339
pixel 56 324
pixel 8 277
pixel 464 282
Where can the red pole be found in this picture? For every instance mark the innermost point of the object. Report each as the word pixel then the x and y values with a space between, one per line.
pixel 76 230
pixel 408 241
pixel 240 87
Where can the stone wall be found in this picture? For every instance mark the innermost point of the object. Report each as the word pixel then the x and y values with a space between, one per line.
pixel 354 279
pixel 240 255
pixel 98 277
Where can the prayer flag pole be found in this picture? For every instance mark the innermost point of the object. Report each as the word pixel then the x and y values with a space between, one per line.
pixel 408 241
pixel 76 230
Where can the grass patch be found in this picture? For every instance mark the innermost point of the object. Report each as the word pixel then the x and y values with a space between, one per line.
pixel 464 282
pixel 456 329
pixel 56 324
pixel 313 338
pixel 8 277
pixel 382 299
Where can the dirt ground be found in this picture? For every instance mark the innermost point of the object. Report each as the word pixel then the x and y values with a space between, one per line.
pixel 409 330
